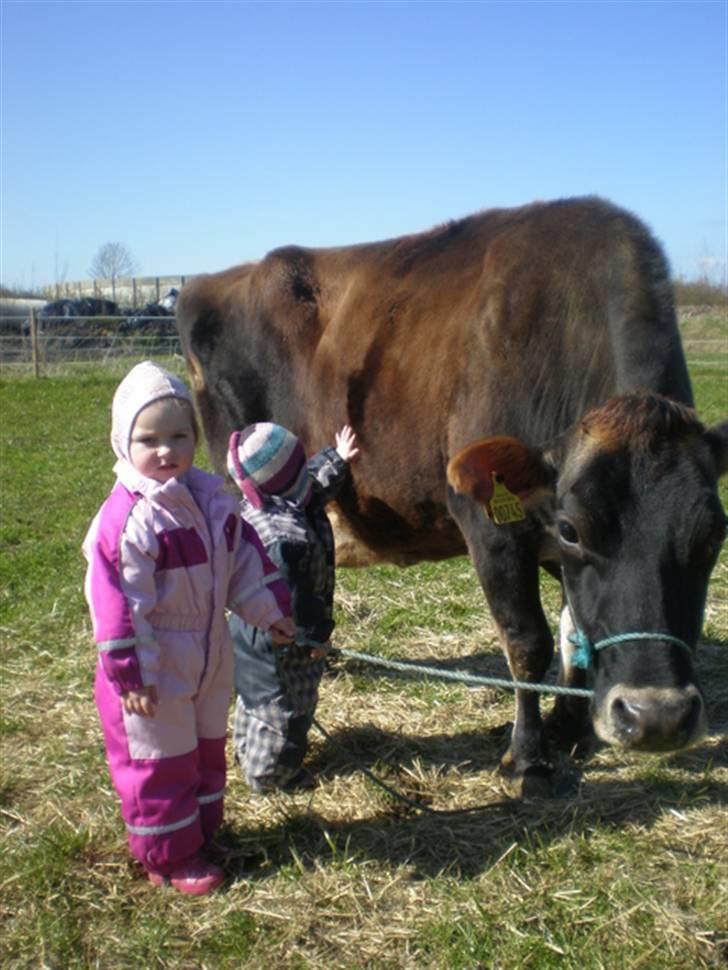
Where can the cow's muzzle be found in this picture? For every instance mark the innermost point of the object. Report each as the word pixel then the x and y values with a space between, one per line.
pixel 651 718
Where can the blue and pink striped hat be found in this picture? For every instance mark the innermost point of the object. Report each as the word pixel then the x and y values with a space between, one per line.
pixel 266 459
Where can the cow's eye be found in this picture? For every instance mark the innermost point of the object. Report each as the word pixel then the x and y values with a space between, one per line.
pixel 567 533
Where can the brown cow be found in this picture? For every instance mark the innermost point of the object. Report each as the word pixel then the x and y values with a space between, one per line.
pixel 514 323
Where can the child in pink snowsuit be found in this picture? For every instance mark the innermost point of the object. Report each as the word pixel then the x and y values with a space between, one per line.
pixel 167 554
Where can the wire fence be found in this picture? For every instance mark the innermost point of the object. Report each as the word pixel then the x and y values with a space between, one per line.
pixel 15 352
pixel 46 347
pixel 50 347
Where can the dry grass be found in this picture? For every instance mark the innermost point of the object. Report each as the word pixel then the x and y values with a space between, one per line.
pixel 627 865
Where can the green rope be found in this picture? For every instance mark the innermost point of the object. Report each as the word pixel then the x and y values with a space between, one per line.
pixel 463 677
pixel 583 656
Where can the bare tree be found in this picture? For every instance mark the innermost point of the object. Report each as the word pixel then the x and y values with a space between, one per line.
pixel 112 260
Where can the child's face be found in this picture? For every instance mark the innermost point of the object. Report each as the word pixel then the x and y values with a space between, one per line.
pixel 163 441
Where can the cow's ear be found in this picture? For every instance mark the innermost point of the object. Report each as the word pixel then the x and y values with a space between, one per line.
pixel 717 439
pixel 522 470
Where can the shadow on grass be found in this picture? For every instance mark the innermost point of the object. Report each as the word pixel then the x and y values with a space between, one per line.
pixel 465 843
pixel 346 752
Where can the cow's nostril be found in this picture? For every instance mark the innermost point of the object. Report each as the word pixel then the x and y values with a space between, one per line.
pixel 626 718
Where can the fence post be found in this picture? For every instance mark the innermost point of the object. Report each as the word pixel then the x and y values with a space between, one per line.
pixel 34 343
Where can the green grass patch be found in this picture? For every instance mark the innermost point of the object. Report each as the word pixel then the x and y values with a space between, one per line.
pixel 628 867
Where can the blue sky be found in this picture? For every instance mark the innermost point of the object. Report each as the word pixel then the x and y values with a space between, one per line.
pixel 204 134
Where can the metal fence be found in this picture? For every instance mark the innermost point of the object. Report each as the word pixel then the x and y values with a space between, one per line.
pixel 17 352
pixel 44 347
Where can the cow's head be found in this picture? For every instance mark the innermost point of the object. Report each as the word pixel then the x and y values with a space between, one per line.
pixel 630 496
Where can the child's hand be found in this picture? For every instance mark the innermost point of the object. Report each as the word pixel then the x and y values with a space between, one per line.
pixel 142 701
pixel 283 631
pixel 318 653
pixel 346 443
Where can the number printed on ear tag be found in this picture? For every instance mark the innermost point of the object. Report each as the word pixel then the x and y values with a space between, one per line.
pixel 504 507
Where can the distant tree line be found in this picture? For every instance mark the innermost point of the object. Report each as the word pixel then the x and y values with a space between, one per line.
pixel 700 292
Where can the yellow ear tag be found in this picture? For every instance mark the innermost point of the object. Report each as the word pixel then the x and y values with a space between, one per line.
pixel 504 507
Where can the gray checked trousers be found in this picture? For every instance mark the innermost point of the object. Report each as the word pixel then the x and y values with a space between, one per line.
pixel 271 737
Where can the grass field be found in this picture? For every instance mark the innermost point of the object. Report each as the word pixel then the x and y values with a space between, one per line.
pixel 627 866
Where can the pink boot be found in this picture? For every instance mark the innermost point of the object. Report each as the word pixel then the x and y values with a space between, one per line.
pixel 194 877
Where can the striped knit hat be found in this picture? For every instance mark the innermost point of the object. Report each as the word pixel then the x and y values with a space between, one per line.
pixel 143 385
pixel 266 459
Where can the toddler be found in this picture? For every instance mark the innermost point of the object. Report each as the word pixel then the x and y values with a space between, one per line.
pixel 277 688
pixel 167 553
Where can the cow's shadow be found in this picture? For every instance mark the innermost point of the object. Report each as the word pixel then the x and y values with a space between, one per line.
pixel 463 843
pixel 468 842
pixel 350 749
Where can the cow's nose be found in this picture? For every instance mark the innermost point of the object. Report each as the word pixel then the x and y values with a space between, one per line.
pixel 656 720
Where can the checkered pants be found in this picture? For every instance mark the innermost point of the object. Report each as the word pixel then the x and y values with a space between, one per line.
pixel 271 738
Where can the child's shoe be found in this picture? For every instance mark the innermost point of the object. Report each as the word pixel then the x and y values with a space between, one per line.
pixel 195 877
pixel 303 780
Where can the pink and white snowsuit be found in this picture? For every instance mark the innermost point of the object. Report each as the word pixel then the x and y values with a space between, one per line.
pixel 164 562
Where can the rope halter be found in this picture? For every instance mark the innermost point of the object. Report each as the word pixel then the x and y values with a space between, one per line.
pixel 585 651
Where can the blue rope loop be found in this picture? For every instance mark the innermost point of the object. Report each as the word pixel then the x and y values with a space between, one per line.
pixel 583 656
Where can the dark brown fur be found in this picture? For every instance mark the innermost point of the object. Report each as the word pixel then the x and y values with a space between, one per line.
pixel 511 322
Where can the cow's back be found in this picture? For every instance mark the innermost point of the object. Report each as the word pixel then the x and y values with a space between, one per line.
pixel 511 321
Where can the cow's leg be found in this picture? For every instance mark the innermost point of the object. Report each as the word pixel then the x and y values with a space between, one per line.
pixel 506 560
pixel 569 726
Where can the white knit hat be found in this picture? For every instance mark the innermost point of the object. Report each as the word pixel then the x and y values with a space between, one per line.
pixel 144 384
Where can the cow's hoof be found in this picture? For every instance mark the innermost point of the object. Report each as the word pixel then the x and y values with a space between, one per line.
pixel 533 782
